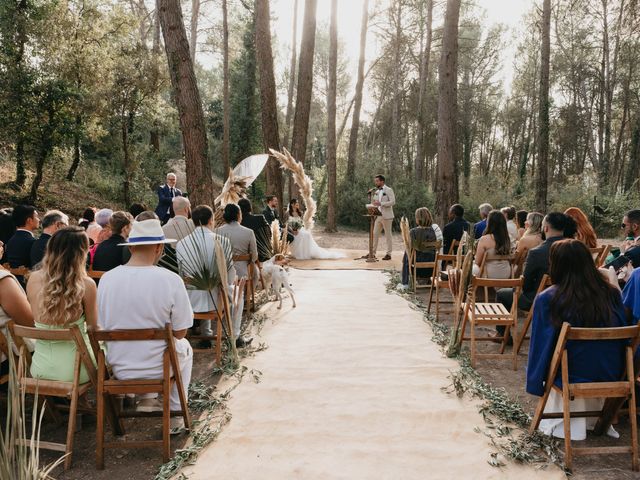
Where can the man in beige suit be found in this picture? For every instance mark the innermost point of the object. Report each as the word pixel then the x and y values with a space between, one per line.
pixel 180 225
pixel 243 242
pixel 384 199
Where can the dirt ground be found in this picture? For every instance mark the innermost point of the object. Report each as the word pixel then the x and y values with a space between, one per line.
pixel 144 463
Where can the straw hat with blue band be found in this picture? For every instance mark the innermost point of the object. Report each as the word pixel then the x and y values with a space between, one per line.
pixel 146 232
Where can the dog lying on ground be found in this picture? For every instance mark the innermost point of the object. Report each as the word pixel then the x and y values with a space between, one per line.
pixel 276 273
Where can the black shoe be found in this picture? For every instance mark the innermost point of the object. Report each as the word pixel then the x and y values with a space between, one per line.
pixel 203 344
pixel 386 257
pixel 243 342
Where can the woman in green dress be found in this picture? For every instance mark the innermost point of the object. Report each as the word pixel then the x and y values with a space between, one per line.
pixel 61 295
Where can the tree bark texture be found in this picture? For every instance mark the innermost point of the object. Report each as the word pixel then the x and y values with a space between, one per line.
pixel 305 86
pixel 188 103
pixel 543 112
pixel 357 106
pixel 422 97
pixel 292 75
pixel 331 119
pixel 269 107
pixel 193 34
pixel 226 112
pixel 447 168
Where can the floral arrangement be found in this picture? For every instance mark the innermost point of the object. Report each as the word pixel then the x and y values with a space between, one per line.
pixel 295 224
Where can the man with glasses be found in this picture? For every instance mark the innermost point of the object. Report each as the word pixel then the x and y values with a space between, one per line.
pixel 52 221
pixel 631 245
pixel 166 194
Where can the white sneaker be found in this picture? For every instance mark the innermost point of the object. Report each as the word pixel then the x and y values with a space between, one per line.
pixel 149 405
pixel 402 288
pixel 176 425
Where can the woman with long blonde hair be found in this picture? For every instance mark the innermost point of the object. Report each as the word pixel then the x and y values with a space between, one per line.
pixel 61 295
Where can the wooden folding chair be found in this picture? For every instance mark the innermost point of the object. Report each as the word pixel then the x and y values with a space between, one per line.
pixel 5 350
pixel 433 265
pixel 481 314
pixel 95 274
pixel 108 386
pixel 54 388
pixel 453 248
pixel 518 262
pixel 599 254
pixel 440 284
pixel 621 390
pixel 216 318
pixel 493 257
pixel 249 289
pixel 545 282
pixel 17 271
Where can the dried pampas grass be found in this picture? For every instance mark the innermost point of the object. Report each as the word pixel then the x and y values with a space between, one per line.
pixel 302 180
pixel 279 243
pixel 233 190
pixel 406 235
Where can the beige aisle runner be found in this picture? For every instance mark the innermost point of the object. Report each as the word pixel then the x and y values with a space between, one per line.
pixel 350 389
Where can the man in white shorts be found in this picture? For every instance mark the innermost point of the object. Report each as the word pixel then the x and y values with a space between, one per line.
pixel 141 295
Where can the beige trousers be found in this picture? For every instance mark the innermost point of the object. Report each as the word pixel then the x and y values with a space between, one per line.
pixel 386 225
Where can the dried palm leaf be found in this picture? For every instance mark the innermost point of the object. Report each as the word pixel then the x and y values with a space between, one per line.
pixel 406 235
pixel 302 180
pixel 224 286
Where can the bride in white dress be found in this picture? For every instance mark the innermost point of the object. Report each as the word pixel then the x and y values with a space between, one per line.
pixel 304 247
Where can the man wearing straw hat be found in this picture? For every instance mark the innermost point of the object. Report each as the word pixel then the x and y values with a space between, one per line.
pixel 141 295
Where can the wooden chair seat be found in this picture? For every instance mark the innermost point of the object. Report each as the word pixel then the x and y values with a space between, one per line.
pixel 620 391
pixel 479 314
pixel 53 388
pixel 108 387
pixel 443 261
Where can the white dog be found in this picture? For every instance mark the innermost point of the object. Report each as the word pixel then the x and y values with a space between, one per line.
pixel 276 273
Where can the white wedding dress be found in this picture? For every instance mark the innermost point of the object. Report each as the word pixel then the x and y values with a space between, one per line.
pixel 304 247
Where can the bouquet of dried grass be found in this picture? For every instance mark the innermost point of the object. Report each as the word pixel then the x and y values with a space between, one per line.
pixel 302 180
pixel 406 235
pixel 279 243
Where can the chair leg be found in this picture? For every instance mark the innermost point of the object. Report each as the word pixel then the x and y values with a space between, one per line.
pixel 430 297
pixel 437 303
pixel 633 419
pixel 100 400
pixel 566 414
pixel 473 343
pixel 525 329
pixel 71 428
pixel 166 415
pixel 514 334
pixel 218 347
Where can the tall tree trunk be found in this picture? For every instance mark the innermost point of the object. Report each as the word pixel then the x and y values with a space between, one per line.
pixel 269 107
pixel 154 134
pixel 193 37
pixel 543 112
pixel 447 168
pixel 355 120
pixel 187 98
pixel 226 142
pixel 292 75
pixel 331 118
pixel 394 157
pixel 634 157
pixel 305 87
pixel 77 148
pixel 422 97
pixel 126 154
pixel 21 23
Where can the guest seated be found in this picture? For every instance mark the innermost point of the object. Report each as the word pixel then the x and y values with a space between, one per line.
pixel 537 263
pixel 478 228
pixel 13 306
pixel 421 235
pixel 26 220
pixel 141 295
pixel 52 221
pixel 532 236
pixel 181 224
pixel 7 229
pixel 521 218
pixel 136 209
pixel 510 215
pixel 102 219
pixel 631 245
pixel 495 241
pixel 584 231
pixel 581 296
pixel 258 224
pixel 631 297
pixel 455 228
pixel 197 252
pixel 62 295
pixel 88 218
pixel 112 253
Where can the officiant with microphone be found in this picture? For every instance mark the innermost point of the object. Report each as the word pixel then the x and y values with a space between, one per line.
pixel 383 198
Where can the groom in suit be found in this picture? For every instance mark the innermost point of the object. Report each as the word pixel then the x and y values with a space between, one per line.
pixel 384 199
pixel 271 213
pixel 166 194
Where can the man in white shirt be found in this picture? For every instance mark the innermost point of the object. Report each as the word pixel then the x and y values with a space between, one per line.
pixel 141 295
pixel 192 252
pixel 384 199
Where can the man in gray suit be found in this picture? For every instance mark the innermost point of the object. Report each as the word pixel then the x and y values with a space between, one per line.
pixel 243 242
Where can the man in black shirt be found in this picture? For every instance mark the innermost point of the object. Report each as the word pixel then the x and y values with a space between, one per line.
pixel 52 221
pixel 110 253
pixel 455 228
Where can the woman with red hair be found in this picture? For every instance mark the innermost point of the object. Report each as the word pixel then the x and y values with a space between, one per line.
pixel 585 232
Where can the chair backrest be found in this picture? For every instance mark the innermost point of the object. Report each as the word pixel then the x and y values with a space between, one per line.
pixel 71 334
pixel 17 271
pixel 427 247
pixel 454 247
pixel 430 246
pixel 518 261
pixel 600 254
pixel 95 274
pixel 545 282
pixel 494 257
pixel 242 258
